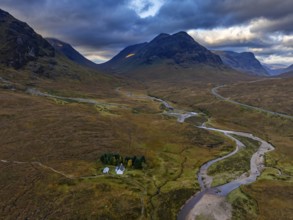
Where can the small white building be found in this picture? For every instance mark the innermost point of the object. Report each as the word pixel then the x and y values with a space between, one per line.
pixel 120 169
pixel 106 170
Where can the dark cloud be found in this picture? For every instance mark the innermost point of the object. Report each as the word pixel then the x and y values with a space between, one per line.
pixel 282 25
pixel 255 43
pixel 241 11
pixel 111 24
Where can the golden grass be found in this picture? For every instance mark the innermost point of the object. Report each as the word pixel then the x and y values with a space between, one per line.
pixel 70 137
pixel 270 94
pixel 273 198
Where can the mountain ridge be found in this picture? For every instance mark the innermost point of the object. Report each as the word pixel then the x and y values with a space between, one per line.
pixel 178 49
pixel 67 50
pixel 244 62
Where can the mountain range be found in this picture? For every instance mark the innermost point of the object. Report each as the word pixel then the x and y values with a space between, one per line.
pixel 177 55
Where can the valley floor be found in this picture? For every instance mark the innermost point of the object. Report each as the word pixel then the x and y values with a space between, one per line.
pixel 51 147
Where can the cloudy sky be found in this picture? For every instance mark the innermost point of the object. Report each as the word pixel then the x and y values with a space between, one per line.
pixel 101 28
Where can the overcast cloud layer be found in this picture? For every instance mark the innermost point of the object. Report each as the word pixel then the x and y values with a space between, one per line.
pixel 99 29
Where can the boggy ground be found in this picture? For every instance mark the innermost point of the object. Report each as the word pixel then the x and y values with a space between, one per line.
pixel 270 193
pixel 61 143
pixel 70 137
pixel 233 167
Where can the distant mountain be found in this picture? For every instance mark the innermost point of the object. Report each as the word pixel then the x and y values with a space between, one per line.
pixel 244 62
pixel 288 69
pixel 277 71
pixel 179 50
pixel 286 74
pixel 271 72
pixel 20 43
pixel 68 51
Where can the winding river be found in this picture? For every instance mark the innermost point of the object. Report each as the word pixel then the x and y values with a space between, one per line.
pixel 256 163
pixel 205 181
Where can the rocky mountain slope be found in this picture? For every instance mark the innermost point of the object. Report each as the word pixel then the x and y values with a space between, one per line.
pixel 20 43
pixel 68 51
pixel 178 49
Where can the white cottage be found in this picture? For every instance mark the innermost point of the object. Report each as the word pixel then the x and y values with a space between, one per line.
pixel 106 170
pixel 120 169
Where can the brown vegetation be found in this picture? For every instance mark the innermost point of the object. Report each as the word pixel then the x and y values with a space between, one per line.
pixel 271 94
pixel 275 129
pixel 70 137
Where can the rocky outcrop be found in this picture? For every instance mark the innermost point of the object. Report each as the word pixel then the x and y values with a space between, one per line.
pixel 20 43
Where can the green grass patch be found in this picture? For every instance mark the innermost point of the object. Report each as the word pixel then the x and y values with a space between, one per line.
pixel 232 167
pixel 243 206
pixel 197 120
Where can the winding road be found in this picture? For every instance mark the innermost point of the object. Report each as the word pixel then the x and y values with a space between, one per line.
pixel 37 92
pixel 215 93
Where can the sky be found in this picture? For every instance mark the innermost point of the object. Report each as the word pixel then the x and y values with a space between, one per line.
pixel 99 29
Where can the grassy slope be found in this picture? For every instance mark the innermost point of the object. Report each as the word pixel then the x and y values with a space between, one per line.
pixel 272 94
pixel 169 72
pixel 63 78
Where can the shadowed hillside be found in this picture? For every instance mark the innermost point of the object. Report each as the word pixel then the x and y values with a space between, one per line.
pixel 19 43
pixel 244 62
pixel 68 51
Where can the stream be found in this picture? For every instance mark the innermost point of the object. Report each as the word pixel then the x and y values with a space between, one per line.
pixel 205 181
pixel 37 92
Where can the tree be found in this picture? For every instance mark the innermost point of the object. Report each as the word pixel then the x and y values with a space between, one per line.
pixel 120 159
pixel 137 163
pixel 103 159
pixel 129 163
pixel 113 161
pixel 143 159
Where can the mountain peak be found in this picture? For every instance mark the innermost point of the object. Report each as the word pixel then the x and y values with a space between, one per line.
pixel 182 34
pixel 3 14
pixel 248 54
pixel 161 36
pixel 178 49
